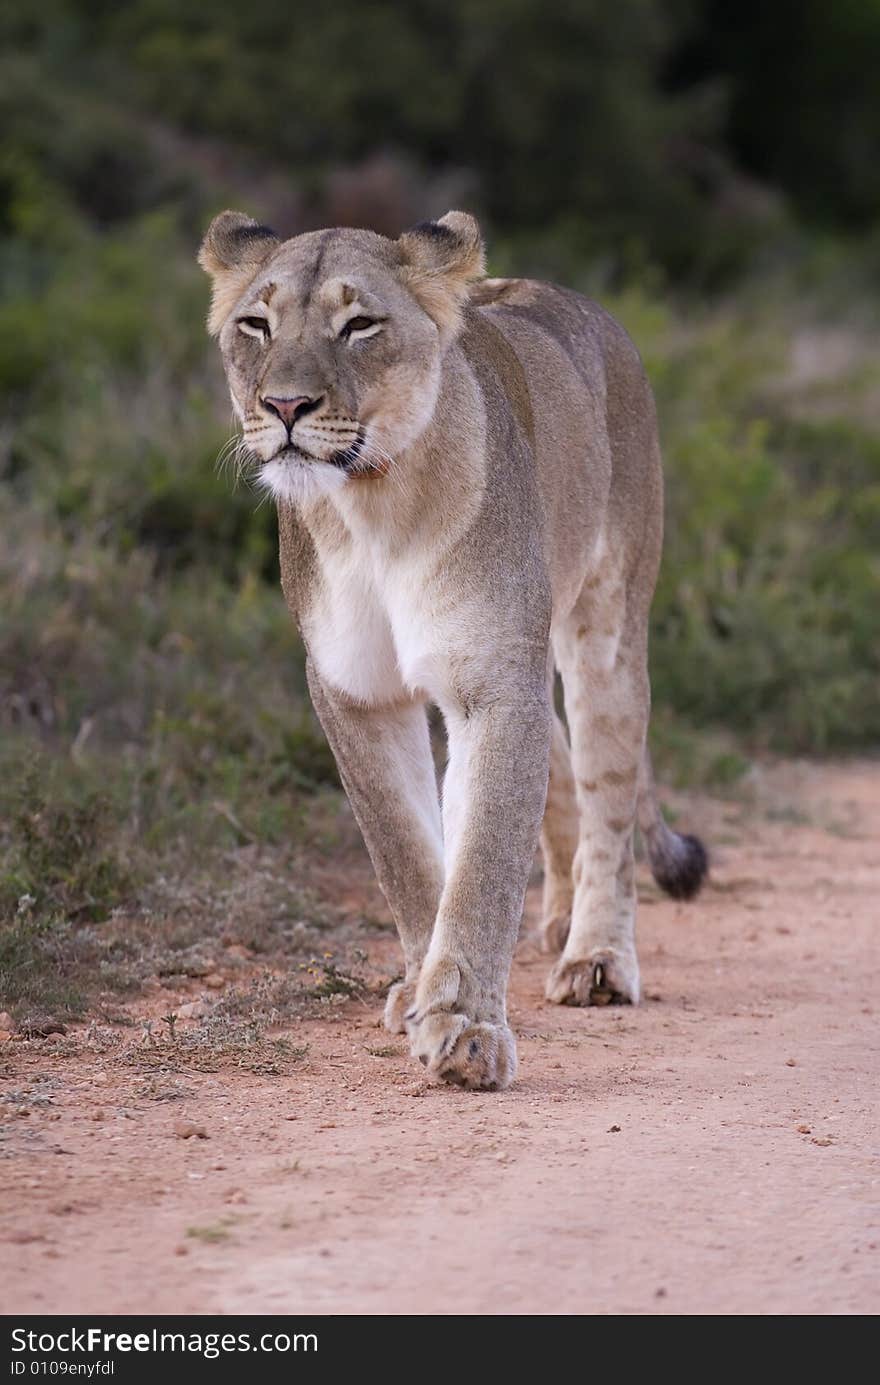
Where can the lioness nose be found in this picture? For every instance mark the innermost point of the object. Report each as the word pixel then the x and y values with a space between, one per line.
pixel 289 410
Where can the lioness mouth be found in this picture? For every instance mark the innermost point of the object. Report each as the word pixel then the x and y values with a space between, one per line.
pixel 292 453
pixel 345 460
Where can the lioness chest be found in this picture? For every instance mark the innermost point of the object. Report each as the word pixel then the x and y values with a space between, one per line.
pixel 378 630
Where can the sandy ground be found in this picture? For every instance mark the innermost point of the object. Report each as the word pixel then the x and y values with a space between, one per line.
pixel 713 1151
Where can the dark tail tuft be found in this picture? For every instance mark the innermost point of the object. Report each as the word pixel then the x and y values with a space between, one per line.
pixel 679 863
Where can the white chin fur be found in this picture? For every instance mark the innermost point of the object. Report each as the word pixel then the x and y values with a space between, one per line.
pixel 300 482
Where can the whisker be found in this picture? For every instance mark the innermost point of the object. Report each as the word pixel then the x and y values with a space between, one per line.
pixel 379 458
pixel 225 454
pixel 237 459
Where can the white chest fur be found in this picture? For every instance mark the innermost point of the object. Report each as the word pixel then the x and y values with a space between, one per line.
pixel 386 617
pixel 370 629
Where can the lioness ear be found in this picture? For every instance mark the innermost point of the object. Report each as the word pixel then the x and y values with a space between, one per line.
pixel 233 249
pixel 440 260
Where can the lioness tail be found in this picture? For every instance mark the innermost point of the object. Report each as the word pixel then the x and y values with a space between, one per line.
pixel 679 861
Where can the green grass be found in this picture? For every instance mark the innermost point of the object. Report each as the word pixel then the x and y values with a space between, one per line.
pixel 213 1233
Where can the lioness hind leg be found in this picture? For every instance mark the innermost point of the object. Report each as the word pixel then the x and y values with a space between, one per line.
pixel 602 654
pixel 559 840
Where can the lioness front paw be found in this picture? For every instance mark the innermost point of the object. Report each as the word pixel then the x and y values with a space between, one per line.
pixel 605 977
pixel 480 1056
pixel 400 999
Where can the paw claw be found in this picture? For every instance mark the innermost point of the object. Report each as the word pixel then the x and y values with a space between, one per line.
pixel 611 979
pixel 601 993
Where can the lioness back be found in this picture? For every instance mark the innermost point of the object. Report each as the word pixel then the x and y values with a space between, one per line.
pixel 572 370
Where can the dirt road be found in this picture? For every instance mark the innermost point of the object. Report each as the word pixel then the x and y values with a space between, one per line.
pixel 713 1151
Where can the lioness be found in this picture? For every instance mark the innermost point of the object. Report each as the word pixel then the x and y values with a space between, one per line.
pixel 469 494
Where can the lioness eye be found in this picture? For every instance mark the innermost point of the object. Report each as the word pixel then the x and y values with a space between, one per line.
pixel 258 325
pixel 356 324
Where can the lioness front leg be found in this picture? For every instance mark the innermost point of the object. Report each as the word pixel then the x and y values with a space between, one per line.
pixel 387 769
pixel 494 799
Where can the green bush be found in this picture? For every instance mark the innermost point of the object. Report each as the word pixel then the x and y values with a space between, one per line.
pixel 765 615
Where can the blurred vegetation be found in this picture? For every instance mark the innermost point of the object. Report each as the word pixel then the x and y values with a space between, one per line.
pixel 709 173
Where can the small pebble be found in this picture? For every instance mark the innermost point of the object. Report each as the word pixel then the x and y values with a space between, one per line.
pixel 186 1130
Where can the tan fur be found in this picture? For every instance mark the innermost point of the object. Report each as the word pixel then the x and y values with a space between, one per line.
pixel 512 526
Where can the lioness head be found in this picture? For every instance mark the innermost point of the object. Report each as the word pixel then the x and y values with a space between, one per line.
pixel 332 341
